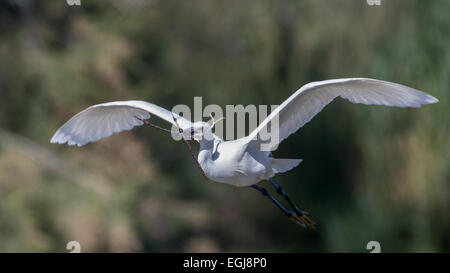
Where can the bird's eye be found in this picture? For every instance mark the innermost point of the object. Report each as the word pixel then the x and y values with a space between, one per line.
pixel 192 131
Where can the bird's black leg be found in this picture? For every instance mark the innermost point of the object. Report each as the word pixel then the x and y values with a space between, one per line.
pixel 275 201
pixel 299 212
pixel 292 215
pixel 281 192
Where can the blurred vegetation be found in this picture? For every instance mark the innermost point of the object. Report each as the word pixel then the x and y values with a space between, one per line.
pixel 369 173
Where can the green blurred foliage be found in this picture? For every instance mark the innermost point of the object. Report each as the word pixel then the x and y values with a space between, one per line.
pixel 369 173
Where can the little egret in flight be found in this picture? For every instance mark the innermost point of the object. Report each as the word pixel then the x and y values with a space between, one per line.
pixel 241 162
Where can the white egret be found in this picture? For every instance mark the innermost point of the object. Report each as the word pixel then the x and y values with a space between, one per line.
pixel 241 162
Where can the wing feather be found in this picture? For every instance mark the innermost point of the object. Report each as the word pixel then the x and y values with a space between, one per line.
pixel 102 120
pixel 311 98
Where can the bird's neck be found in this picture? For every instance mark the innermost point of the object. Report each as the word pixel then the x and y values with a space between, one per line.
pixel 209 143
pixel 207 148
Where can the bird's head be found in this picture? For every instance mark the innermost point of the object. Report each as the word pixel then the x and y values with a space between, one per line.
pixel 202 130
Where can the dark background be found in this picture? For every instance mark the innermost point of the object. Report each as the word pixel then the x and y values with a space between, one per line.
pixel 369 172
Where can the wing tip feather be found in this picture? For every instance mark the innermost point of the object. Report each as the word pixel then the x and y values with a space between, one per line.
pixel 430 99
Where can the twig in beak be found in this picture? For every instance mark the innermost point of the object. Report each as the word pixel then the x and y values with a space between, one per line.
pixel 153 125
pixel 189 147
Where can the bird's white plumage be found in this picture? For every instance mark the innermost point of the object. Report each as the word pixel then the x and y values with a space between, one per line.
pixel 241 162
pixel 311 98
pixel 102 120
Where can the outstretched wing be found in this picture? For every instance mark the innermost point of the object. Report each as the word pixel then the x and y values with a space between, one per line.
pixel 311 98
pixel 102 120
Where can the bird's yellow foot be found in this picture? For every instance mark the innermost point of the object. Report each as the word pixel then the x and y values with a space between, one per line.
pixel 303 220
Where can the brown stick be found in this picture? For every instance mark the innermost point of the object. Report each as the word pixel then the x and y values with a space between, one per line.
pixel 153 125
pixel 185 141
pixel 189 147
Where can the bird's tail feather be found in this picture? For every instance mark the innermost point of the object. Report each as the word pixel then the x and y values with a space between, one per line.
pixel 281 165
